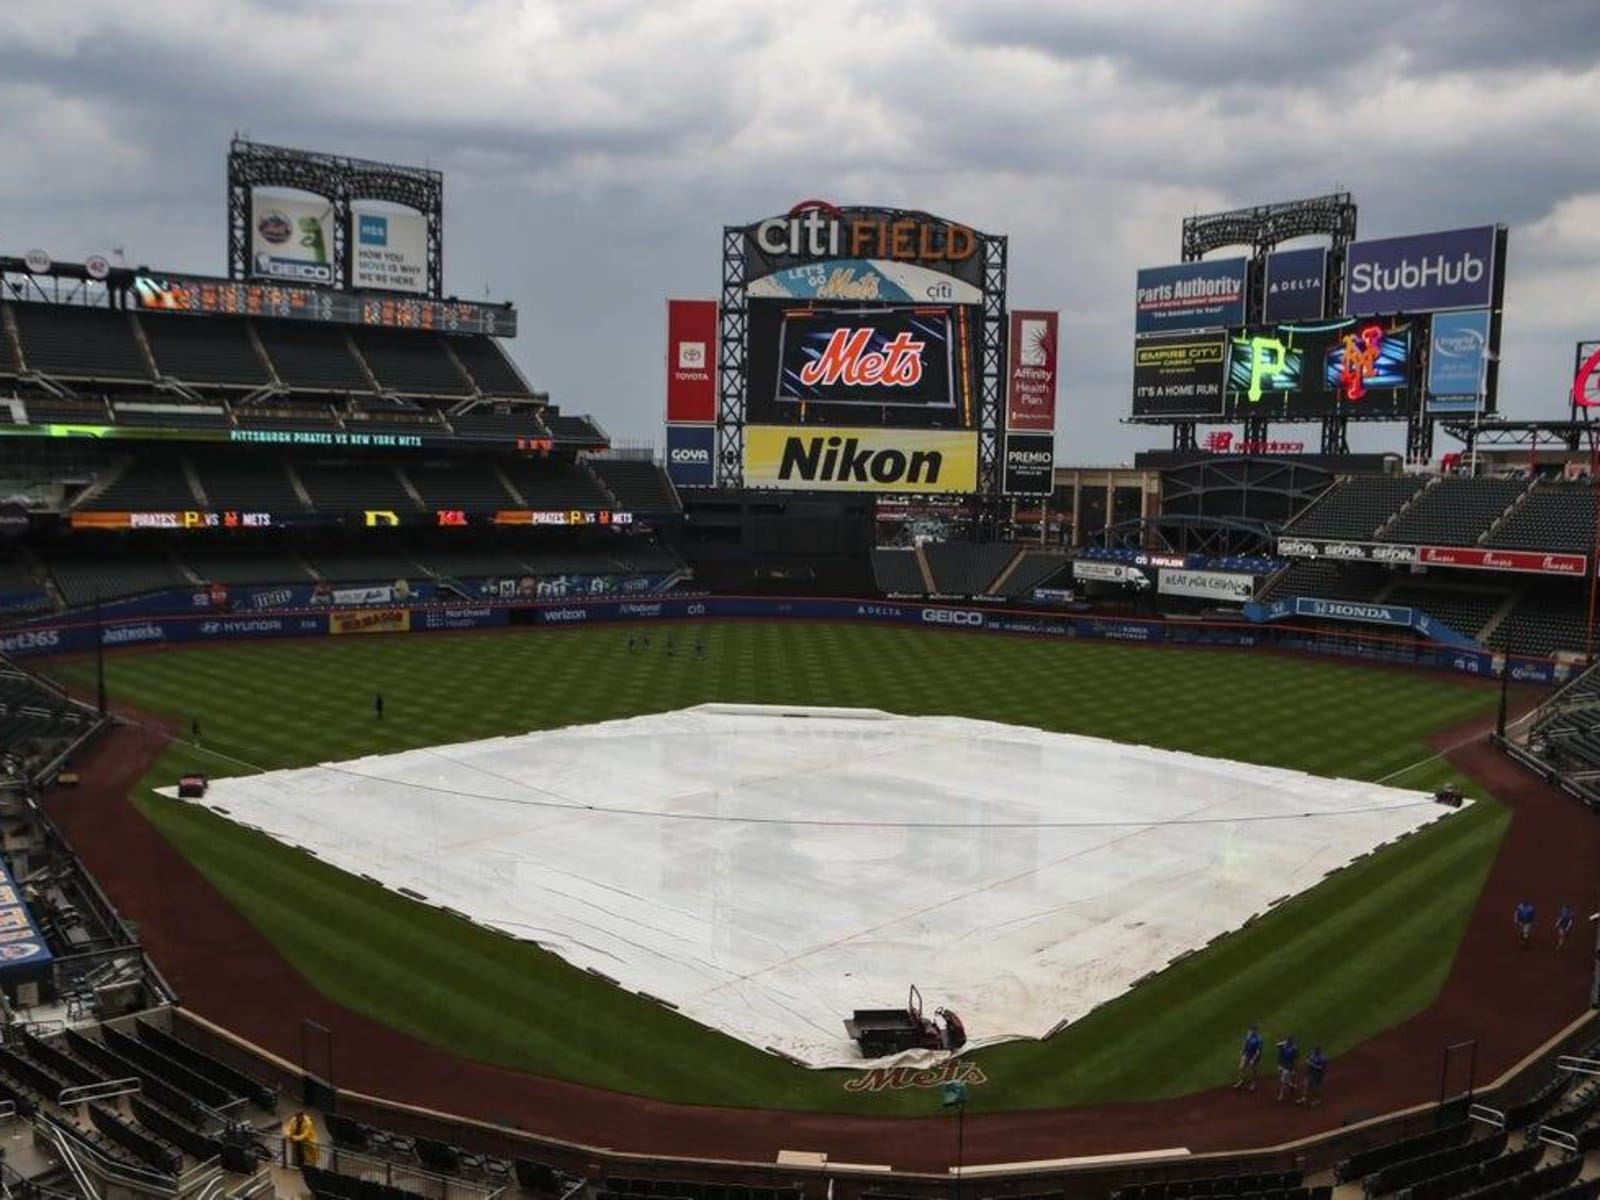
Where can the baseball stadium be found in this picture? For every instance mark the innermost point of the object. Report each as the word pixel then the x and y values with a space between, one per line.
pixel 411 792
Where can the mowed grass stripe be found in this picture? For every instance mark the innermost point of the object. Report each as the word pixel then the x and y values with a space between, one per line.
pixel 1354 956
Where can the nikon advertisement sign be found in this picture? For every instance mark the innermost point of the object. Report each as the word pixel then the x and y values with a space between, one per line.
pixel 844 459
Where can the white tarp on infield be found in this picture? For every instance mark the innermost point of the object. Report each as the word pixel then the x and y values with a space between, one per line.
pixel 777 868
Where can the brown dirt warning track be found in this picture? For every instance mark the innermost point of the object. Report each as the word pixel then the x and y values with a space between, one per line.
pixel 1509 999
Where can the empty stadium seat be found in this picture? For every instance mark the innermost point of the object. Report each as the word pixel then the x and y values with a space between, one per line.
pixel 1355 507
pixel 354 485
pixel 79 343
pixel 1553 516
pixel 310 357
pixel 204 351
pixel 1466 610
pixel 1037 569
pixel 573 429
pixel 488 366
pixel 967 568
pixel 896 572
pixel 246 485
pixel 411 362
pixel 551 484
pixel 638 485
pixel 148 484
pixel 475 488
pixel 1454 512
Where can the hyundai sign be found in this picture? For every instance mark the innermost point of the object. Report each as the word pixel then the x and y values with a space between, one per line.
pixel 691 455
pixel 1425 272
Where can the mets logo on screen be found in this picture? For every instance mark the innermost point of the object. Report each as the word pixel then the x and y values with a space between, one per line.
pixel 850 358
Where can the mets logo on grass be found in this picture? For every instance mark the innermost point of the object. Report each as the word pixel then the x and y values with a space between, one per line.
pixel 847 459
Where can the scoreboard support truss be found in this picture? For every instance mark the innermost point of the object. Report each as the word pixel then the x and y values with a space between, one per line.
pixel 342 182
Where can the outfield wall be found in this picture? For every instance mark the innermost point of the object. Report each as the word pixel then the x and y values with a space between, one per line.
pixel 1275 628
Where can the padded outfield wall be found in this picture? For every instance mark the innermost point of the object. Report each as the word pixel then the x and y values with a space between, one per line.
pixel 1276 627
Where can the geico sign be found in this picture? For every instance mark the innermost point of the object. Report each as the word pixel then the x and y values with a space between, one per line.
pixel 690 454
pixel 950 616
pixel 285 268
pixel 817 229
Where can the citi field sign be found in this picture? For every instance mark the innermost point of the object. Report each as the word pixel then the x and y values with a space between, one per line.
pixel 819 231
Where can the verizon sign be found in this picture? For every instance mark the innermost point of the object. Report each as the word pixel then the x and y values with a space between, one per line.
pixel 1208 585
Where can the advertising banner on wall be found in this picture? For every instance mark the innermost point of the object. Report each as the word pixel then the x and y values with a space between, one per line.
pixel 1208 585
pixel 692 362
pixel 389 251
pixel 1031 372
pixel 848 459
pixel 1030 464
pixel 370 620
pixel 869 279
pixel 691 455
pixel 1179 375
pixel 1193 295
pixel 1424 272
pixel 291 237
pixel 1458 360
pixel 1099 572
pixel 1295 283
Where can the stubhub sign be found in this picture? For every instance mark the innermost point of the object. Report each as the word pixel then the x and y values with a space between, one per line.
pixel 1425 272
pixel 691 455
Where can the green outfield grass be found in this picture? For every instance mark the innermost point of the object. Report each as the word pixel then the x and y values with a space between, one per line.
pixel 1391 922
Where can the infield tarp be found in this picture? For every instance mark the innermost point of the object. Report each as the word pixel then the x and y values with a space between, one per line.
pixel 768 871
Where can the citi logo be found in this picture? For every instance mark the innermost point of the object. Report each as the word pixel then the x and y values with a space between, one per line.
pixel 1438 271
pixel 950 616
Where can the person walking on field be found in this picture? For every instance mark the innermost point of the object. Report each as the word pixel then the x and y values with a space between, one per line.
pixel 1524 918
pixel 1288 1057
pixel 1249 1059
pixel 1564 921
pixel 1316 1069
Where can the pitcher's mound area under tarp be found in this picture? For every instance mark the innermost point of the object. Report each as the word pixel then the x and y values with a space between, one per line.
pixel 769 870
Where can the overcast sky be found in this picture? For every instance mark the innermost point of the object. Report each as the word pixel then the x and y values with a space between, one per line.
pixel 593 150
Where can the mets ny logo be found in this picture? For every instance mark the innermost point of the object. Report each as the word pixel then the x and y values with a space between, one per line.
pixel 895 1079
